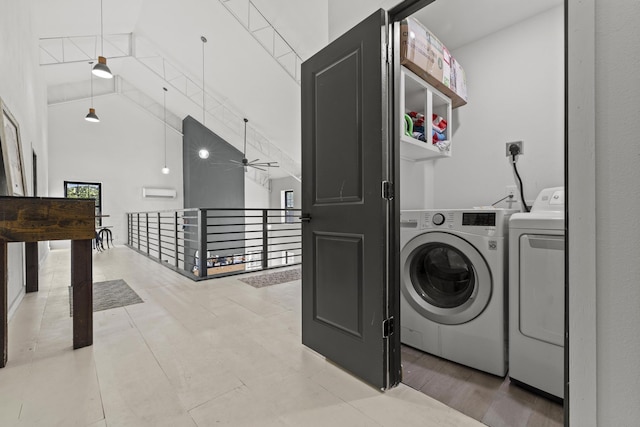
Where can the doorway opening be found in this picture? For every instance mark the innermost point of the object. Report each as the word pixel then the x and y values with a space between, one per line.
pixel 499 53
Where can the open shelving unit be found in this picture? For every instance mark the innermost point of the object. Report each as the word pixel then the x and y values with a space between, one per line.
pixel 418 95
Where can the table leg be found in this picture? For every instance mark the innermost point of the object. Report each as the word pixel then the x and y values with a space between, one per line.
pixel 31 261
pixel 4 308
pixel 82 292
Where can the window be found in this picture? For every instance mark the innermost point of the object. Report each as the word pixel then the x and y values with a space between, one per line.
pixel 288 205
pixel 85 190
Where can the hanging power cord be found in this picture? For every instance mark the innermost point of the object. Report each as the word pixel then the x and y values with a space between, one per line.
pixel 515 150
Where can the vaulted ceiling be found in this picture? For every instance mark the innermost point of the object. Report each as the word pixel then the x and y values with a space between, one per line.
pixel 246 63
pixel 249 70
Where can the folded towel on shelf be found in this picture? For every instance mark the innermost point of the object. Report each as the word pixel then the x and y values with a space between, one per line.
pixel 439 128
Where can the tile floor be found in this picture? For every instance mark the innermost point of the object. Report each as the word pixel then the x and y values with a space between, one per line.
pixel 217 352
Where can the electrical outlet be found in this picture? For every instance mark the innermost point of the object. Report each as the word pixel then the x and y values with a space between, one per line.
pixel 512 190
pixel 519 144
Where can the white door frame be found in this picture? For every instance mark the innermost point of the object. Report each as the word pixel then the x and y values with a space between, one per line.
pixel 580 173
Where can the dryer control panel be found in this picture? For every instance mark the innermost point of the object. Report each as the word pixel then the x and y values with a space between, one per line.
pixel 549 199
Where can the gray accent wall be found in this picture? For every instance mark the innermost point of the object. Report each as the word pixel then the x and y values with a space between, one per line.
pixel 213 183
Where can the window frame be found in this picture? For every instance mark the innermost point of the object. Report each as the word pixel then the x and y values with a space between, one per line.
pixel 98 200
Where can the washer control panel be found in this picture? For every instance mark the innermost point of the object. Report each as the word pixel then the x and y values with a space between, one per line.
pixel 438 219
pixel 485 222
pixel 423 220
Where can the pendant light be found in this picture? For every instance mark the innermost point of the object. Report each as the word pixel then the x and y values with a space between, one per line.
pixel 203 153
pixel 101 69
pixel 91 117
pixel 165 169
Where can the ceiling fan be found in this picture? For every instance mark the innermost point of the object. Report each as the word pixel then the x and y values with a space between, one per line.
pixel 253 163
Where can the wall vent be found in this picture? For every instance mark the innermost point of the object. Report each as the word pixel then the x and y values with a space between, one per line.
pixel 167 193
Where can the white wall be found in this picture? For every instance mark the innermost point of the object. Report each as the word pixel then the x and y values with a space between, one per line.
pixel 23 91
pixel 255 196
pixel 617 240
pixel 284 184
pixel 417 184
pixel 516 92
pixel 124 152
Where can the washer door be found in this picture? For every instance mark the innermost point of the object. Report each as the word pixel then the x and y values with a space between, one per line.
pixel 445 278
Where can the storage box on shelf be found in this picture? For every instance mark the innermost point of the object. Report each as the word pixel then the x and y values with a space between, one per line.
pixel 417 95
pixel 424 54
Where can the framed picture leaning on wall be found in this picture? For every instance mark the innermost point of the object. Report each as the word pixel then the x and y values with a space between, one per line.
pixel 12 179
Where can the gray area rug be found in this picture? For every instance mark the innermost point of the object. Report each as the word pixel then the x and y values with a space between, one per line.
pixel 110 294
pixel 268 279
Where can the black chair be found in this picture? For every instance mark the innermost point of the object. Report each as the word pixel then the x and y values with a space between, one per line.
pixel 97 242
pixel 104 235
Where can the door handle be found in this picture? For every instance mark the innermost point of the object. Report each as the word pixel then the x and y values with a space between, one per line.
pixel 305 218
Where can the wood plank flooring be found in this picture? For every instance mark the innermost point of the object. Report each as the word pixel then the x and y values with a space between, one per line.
pixel 487 398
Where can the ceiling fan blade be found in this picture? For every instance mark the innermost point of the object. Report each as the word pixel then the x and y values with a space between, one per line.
pixel 257 167
pixel 267 164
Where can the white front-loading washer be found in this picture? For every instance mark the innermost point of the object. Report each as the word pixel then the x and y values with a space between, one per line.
pixel 536 294
pixel 453 285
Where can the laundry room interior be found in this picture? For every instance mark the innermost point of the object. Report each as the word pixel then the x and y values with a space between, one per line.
pixel 513 73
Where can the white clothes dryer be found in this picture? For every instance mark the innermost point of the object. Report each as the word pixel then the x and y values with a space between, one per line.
pixel 453 285
pixel 536 294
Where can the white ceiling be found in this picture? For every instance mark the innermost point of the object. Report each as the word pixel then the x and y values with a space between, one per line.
pixel 238 71
pixel 459 22
pixel 267 95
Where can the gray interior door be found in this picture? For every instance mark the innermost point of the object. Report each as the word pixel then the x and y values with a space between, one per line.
pixel 349 277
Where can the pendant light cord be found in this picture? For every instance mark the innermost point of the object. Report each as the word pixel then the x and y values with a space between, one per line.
pixel 101 31
pixel 244 152
pixel 91 74
pixel 164 103
pixel 204 40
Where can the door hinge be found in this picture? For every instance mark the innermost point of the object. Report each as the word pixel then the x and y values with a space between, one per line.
pixel 387 190
pixel 388 327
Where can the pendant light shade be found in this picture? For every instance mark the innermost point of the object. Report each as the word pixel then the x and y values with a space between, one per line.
pixel 165 169
pixel 92 116
pixel 101 69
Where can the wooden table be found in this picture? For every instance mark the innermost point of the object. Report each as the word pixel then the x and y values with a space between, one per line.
pixel 35 219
